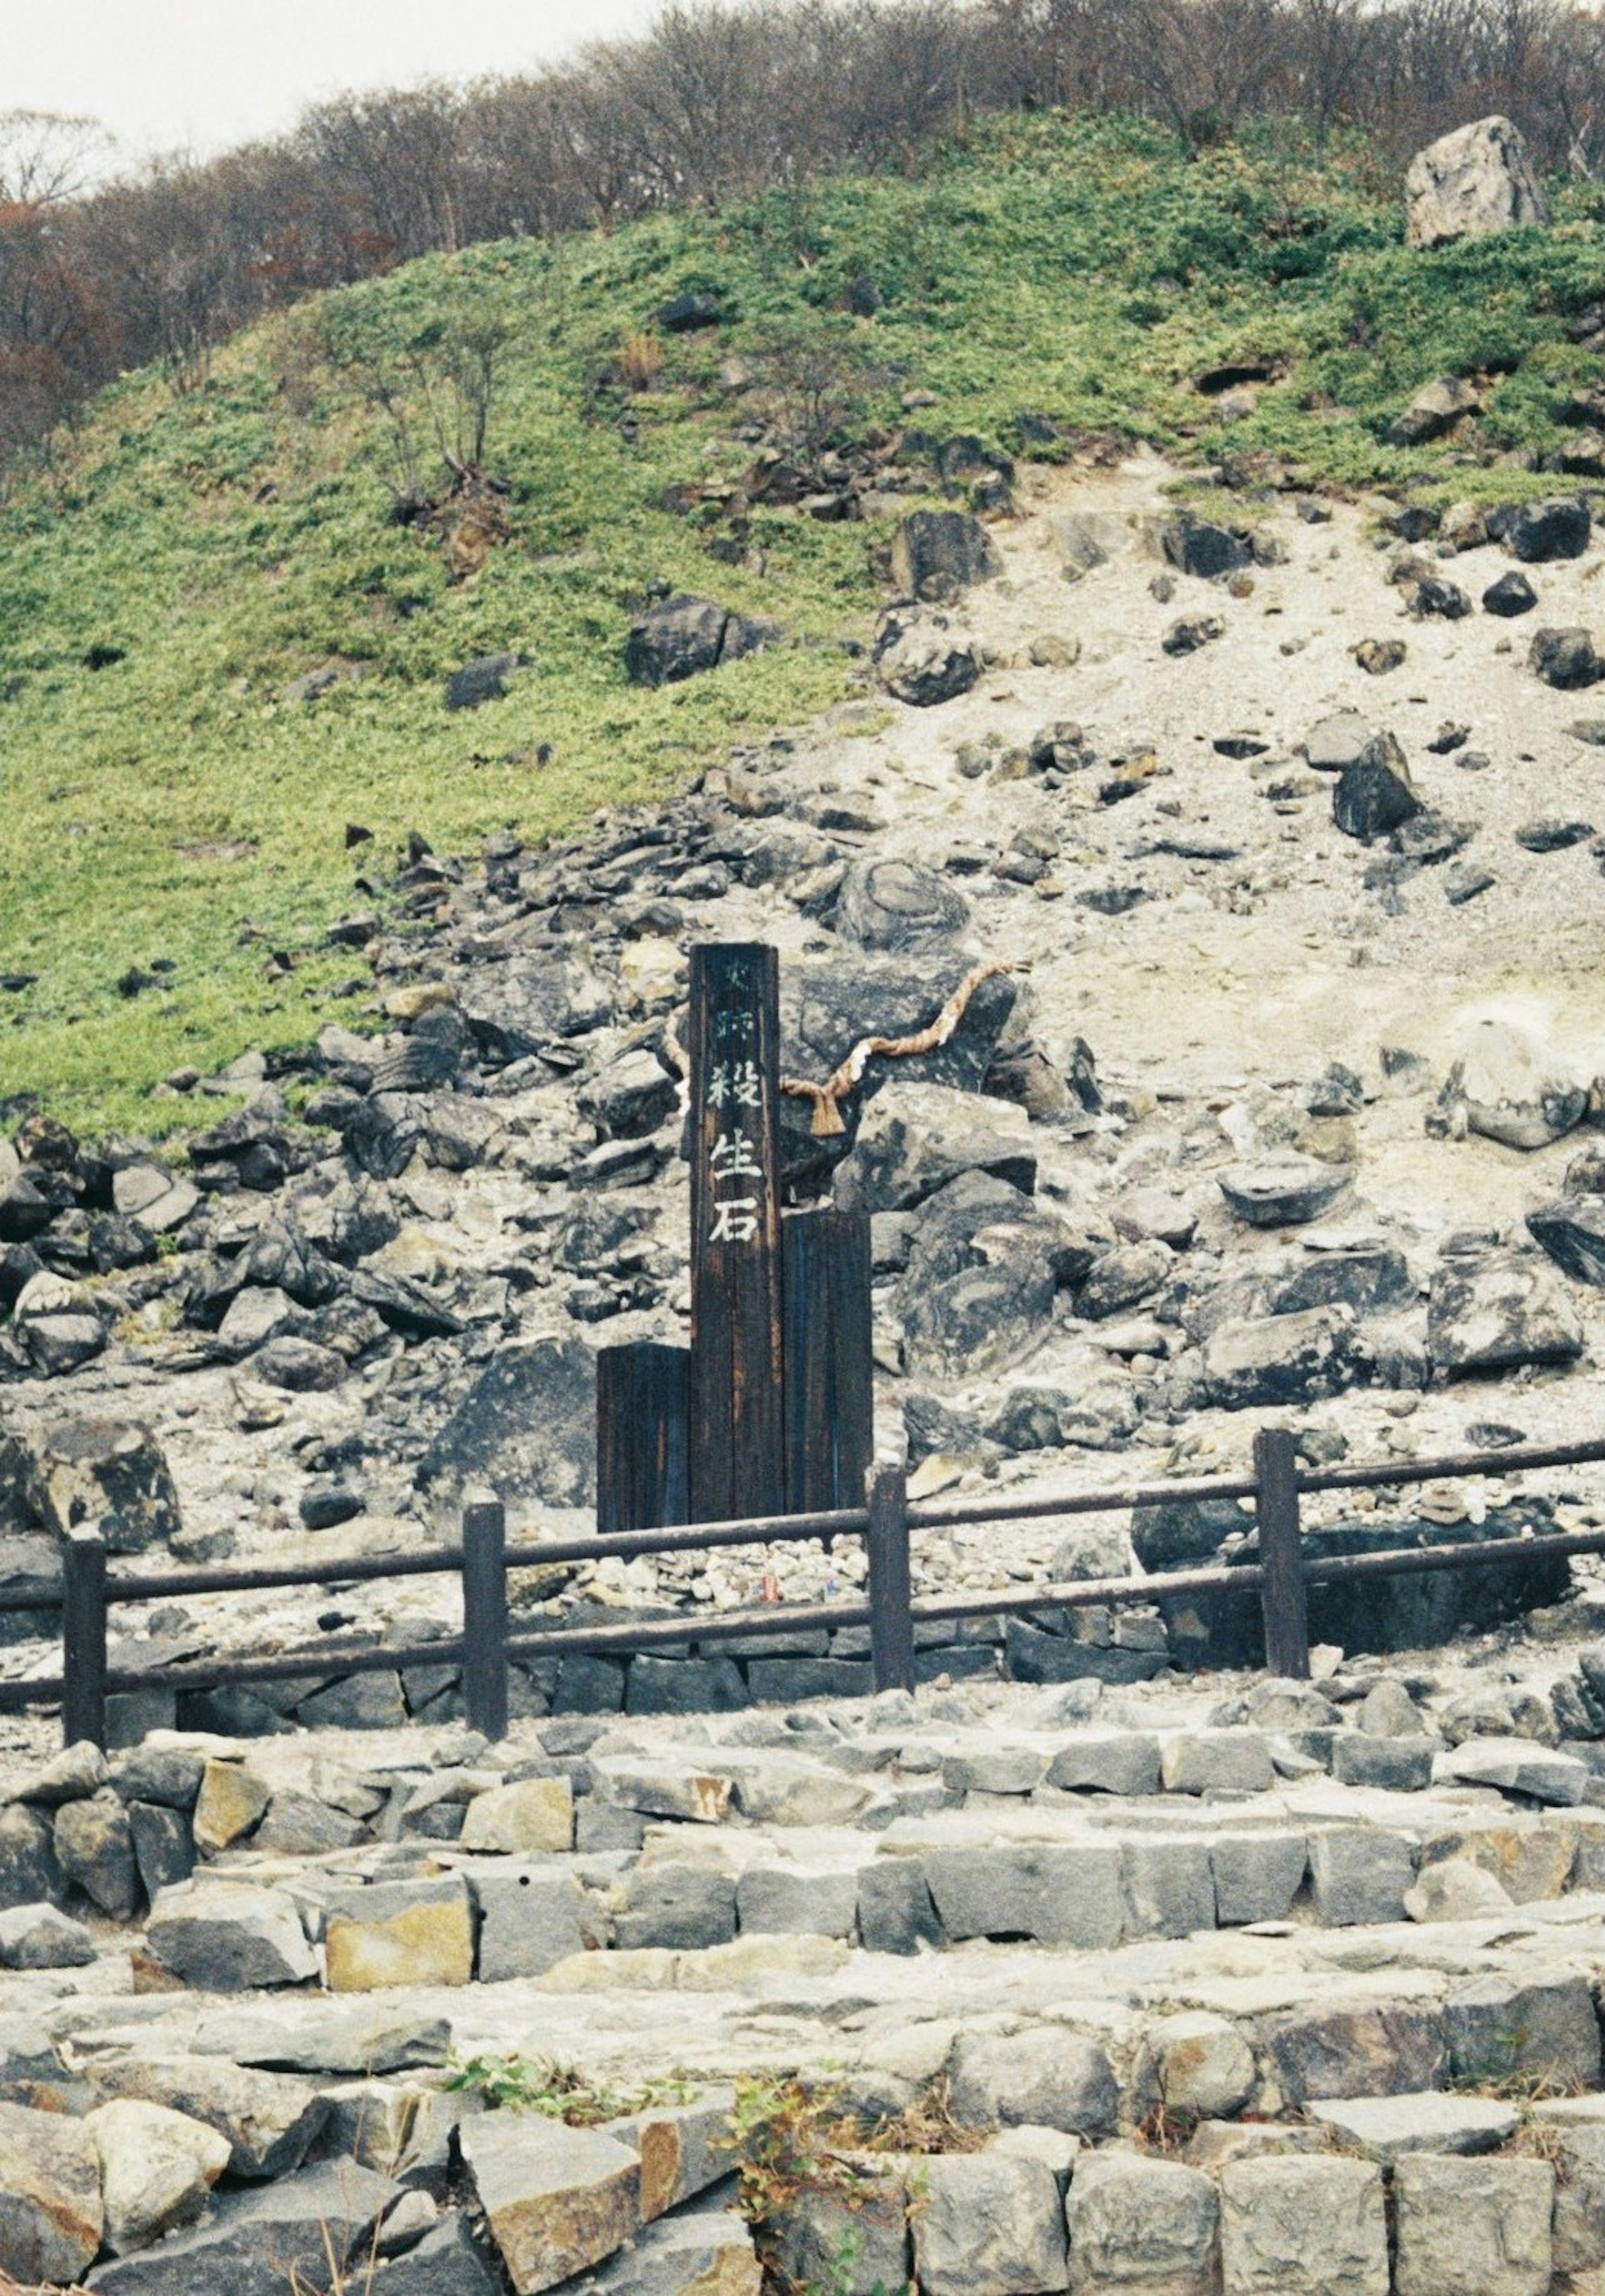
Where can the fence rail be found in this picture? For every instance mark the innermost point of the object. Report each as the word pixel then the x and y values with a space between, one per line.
pixel 1282 1579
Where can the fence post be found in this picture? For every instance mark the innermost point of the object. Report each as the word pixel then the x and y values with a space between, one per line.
pixel 83 1638
pixel 891 1619
pixel 1284 1598
pixel 485 1617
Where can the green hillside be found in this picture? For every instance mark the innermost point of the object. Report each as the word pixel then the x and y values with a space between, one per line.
pixel 170 808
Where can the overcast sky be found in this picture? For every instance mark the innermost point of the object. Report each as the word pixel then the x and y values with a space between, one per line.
pixel 207 73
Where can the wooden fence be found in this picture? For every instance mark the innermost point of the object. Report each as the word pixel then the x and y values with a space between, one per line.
pixel 486 1647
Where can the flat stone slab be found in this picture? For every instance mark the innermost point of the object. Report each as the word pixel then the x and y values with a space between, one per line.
pixel 1427 2121
pixel 1515 1766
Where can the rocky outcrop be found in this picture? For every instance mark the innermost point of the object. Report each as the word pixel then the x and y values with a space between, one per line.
pixel 1476 180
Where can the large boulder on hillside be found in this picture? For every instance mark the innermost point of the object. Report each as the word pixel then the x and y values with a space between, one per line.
pixel 1375 793
pixel 530 1003
pixel 1496 1313
pixel 1540 532
pixel 1510 1086
pixel 1476 180
pixel 923 660
pixel 826 1008
pixel 1436 407
pixel 107 1474
pixel 527 1427
pixel 685 634
pixel 985 1264
pixel 897 905
pixel 1567 659
pixel 917 1137
pixel 935 553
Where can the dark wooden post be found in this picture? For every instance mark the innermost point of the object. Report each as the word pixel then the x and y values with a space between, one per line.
pixel 643 1411
pixel 737 1427
pixel 485 1617
pixel 1284 1598
pixel 830 1360
pixel 891 1620
pixel 83 1638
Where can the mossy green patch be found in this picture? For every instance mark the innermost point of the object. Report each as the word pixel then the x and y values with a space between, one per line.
pixel 170 804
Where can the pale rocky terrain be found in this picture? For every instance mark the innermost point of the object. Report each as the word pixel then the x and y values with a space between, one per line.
pixel 1224 1959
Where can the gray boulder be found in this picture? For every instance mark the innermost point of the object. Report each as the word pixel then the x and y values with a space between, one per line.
pixel 1512 595
pixel 1474 180
pixel 527 1427
pixel 1288 1193
pixel 110 1474
pixel 261 2243
pixel 556 2199
pixel 481 681
pixel 269 2120
pixel 229 1937
pixel 897 905
pixel 1272 1359
pixel 1473 2226
pixel 39 1937
pixel 1375 793
pixel 915 1138
pixel 921 658
pixel 1338 741
pixel 1044 2077
pixel 1436 407
pixel 1145 2226
pixel 157 2168
pixel 50 2213
pixel 1537 532
pixel 935 553
pixel 1510 1086
pixel 1573 1233
pixel 1304 2226
pixel 1565 659
pixel 1498 1312
pixel 989 2222
pixel 685 636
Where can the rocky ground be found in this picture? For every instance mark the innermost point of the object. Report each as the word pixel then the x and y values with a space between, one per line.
pixel 1269 1104
pixel 1285 1110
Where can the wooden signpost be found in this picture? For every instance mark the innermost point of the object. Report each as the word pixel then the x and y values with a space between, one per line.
pixel 770 1410
pixel 738 1423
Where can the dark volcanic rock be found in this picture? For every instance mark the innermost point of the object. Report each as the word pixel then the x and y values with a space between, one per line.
pixel 1186 636
pixel 1542 530
pixel 1511 596
pixel 1283 1194
pixel 106 1471
pixel 1434 597
pixel 1573 1233
pixel 1498 1312
pixel 479 682
pixel 826 1008
pixel 937 552
pixel 1565 659
pixel 1175 1533
pixel 1553 836
pixel 1375 793
pixel 527 1427
pixel 1194 546
pixel 984 1265
pixel 685 636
